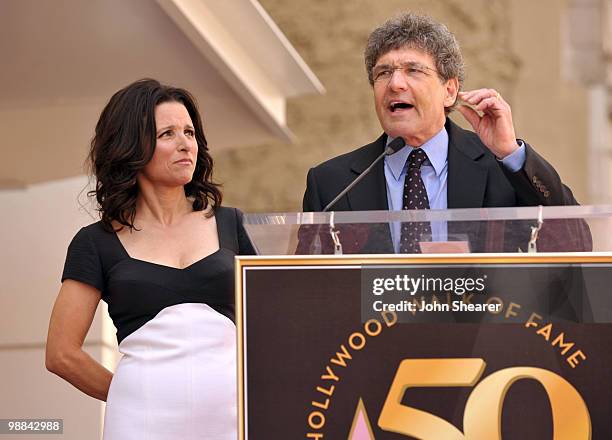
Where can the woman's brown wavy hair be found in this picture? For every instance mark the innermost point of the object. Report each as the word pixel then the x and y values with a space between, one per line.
pixel 124 143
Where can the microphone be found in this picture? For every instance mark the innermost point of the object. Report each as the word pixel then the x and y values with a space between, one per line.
pixel 397 144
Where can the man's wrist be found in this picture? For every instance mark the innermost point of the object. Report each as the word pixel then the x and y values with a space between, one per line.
pixel 509 149
pixel 516 159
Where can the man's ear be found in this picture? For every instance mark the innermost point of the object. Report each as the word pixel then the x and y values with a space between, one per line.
pixel 452 88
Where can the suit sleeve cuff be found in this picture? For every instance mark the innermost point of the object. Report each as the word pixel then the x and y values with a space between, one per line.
pixel 515 161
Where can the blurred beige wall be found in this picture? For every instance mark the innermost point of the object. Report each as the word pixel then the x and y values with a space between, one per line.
pixel 515 46
pixel 43 219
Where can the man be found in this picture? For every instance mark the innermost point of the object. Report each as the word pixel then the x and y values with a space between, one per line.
pixel 415 67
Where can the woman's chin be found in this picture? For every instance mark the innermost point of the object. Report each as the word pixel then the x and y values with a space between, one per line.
pixel 177 182
pixel 184 179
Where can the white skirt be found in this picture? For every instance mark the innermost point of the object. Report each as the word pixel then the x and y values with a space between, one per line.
pixel 176 379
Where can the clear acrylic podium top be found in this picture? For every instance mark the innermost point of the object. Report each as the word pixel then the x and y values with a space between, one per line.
pixel 478 230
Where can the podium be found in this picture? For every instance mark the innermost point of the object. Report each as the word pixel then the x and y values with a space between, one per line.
pixel 500 327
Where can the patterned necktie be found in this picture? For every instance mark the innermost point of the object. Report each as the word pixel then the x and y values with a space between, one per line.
pixel 415 197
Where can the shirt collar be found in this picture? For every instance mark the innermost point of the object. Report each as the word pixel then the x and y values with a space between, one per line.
pixel 436 149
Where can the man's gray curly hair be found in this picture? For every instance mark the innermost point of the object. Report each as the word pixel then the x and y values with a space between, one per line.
pixel 417 32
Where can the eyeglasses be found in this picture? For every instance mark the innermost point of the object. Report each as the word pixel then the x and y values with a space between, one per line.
pixel 383 73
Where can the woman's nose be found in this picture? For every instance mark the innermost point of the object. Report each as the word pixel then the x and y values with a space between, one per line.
pixel 184 141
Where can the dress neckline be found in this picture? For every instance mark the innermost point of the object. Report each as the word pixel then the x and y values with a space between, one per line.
pixel 127 254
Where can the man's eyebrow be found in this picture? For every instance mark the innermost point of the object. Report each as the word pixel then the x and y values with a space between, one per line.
pixel 402 63
pixel 382 65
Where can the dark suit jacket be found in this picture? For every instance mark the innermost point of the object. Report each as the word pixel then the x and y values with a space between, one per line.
pixel 475 179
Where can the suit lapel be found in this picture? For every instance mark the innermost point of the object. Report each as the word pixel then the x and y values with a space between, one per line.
pixel 371 193
pixel 467 178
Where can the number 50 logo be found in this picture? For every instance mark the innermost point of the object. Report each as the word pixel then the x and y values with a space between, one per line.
pixel 483 409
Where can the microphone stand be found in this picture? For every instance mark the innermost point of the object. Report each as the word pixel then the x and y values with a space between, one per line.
pixel 396 145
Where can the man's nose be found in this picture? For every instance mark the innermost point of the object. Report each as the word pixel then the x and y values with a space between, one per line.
pixel 398 80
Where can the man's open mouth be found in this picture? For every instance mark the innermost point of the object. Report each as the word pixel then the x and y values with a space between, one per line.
pixel 394 106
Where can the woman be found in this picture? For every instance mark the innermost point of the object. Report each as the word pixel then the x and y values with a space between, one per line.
pixel 162 258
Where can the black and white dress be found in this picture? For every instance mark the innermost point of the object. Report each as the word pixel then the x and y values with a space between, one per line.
pixel 175 328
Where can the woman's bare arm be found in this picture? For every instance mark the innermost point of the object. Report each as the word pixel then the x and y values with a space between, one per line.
pixel 71 318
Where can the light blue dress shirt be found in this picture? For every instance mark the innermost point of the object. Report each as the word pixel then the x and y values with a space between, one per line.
pixel 434 172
